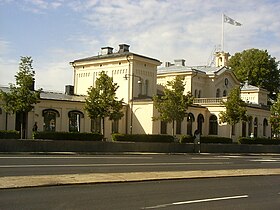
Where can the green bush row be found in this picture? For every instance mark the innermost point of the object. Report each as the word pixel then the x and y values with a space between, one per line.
pixel 206 139
pixel 68 136
pixel 264 141
pixel 9 134
pixel 142 138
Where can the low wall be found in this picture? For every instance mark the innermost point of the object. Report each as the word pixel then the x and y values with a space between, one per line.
pixel 9 145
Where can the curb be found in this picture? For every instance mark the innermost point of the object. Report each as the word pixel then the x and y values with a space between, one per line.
pixel 14 182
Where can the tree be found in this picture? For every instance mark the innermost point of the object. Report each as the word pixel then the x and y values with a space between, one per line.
pixel 275 116
pixel 235 109
pixel 172 105
pixel 101 101
pixel 258 67
pixel 21 97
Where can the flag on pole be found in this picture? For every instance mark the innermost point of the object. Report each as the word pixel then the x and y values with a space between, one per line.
pixel 231 21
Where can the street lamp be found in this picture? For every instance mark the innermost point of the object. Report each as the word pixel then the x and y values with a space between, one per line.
pixel 132 92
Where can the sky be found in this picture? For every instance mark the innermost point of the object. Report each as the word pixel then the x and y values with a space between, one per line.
pixel 56 32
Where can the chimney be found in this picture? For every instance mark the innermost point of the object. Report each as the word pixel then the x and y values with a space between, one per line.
pixel 106 50
pixel 123 48
pixel 179 62
pixel 69 90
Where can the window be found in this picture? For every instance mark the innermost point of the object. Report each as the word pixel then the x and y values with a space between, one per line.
pixel 50 119
pixel 195 93
pixel 256 127
pixel 178 126
pixel 233 130
pixel 250 123
pixel 213 125
pixel 75 120
pixel 224 93
pixel 163 127
pixel 199 94
pixel 146 87
pixel 218 93
pixel 115 126
pixel 244 129
pixel 96 125
pixel 190 120
pixel 200 121
pixel 265 124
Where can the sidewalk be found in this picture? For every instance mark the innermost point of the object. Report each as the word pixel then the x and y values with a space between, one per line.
pixel 94 178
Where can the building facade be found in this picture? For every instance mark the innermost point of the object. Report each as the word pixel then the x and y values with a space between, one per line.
pixel 139 79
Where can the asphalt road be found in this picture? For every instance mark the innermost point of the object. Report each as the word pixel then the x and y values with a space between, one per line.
pixel 256 192
pixel 22 164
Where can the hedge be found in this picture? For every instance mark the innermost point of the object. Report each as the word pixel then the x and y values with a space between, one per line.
pixel 206 139
pixel 68 136
pixel 264 141
pixel 142 138
pixel 11 134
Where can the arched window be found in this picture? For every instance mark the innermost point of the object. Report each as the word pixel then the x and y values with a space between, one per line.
pixel 200 121
pixel 213 125
pixel 75 120
pixel 115 126
pixel 146 87
pixel 250 124
pixel 163 127
pixel 265 124
pixel 195 93
pixel 256 127
pixel 178 126
pixel 218 93
pixel 50 119
pixel 224 93
pixel 199 94
pixel 190 120
pixel 96 125
pixel 244 129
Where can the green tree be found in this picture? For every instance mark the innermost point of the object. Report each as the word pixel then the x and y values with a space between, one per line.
pixel 235 109
pixel 172 105
pixel 102 102
pixel 258 67
pixel 21 97
pixel 275 116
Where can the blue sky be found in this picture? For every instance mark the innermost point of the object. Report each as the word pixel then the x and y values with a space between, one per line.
pixel 56 32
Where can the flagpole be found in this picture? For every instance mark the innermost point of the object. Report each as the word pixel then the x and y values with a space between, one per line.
pixel 222 42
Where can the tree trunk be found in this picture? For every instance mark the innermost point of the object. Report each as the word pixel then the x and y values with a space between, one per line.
pixel 173 127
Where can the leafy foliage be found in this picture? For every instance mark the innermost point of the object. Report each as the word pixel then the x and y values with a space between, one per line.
pixel 275 116
pixel 235 108
pixel 173 104
pixel 68 136
pixel 102 102
pixel 258 67
pixel 21 97
pixel 143 138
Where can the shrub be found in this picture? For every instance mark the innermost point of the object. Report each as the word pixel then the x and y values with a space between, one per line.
pixel 142 138
pixel 206 139
pixel 9 134
pixel 263 141
pixel 186 139
pixel 68 136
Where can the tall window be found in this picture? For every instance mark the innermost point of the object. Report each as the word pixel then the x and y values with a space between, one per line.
pixel 178 127
pixel 265 124
pixel 146 87
pixel 233 129
pixel 213 125
pixel 96 125
pixel 163 127
pixel 75 120
pixel 200 121
pixel 115 126
pixel 195 93
pixel 199 94
pixel 50 119
pixel 244 129
pixel 256 127
pixel 224 93
pixel 190 120
pixel 218 93
pixel 250 124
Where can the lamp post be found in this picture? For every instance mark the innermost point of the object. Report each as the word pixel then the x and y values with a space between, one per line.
pixel 132 92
